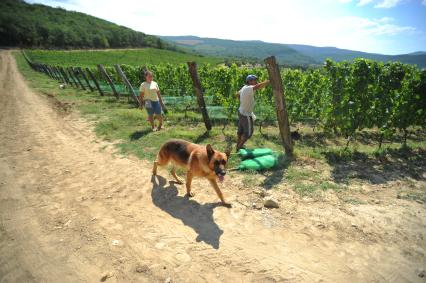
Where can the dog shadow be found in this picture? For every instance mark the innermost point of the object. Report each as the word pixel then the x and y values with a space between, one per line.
pixel 197 216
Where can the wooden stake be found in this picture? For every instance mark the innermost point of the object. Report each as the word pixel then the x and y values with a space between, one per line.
pixel 192 66
pixel 61 79
pixel 71 76
pixel 108 79
pixel 85 78
pixel 64 74
pixel 92 77
pixel 282 115
pixel 58 74
pixel 127 83
pixel 75 73
pixel 46 71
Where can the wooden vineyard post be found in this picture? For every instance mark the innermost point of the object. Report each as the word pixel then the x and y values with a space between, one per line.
pixel 127 83
pixel 52 73
pixel 64 74
pixel 46 71
pixel 108 79
pixel 75 72
pixel 192 66
pixel 58 74
pixel 92 77
pixel 85 78
pixel 71 76
pixel 38 67
pixel 282 115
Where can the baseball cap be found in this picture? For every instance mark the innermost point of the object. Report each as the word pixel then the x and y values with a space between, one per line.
pixel 251 78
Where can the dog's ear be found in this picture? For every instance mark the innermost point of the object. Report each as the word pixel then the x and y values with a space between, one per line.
pixel 210 151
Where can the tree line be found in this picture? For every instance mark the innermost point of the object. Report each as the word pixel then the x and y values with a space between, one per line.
pixel 35 25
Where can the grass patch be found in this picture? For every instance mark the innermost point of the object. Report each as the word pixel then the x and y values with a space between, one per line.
pixel 354 201
pixel 303 188
pixel 121 122
pixel 414 196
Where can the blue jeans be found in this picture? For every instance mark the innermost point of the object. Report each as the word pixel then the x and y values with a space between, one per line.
pixel 153 107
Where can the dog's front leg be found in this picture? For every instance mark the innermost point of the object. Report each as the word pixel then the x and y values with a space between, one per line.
pixel 178 180
pixel 154 168
pixel 188 184
pixel 219 192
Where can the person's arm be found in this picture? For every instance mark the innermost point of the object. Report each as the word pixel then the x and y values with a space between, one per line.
pixel 161 102
pixel 142 94
pixel 260 85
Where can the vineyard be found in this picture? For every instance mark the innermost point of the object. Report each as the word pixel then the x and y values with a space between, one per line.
pixel 339 98
pixel 133 57
pixel 326 182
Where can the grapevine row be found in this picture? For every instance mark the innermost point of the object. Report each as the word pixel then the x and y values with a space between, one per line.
pixel 339 97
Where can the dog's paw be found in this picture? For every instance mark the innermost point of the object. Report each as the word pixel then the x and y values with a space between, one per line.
pixel 190 195
pixel 180 181
pixel 227 204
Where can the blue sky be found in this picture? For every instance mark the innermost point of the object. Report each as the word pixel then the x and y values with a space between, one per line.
pixel 380 26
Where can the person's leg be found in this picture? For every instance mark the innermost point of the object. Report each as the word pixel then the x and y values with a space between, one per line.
pixel 157 111
pixel 240 131
pixel 151 121
pixel 150 112
pixel 241 142
pixel 160 121
pixel 245 130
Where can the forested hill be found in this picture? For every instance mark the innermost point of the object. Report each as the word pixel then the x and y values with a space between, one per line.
pixel 292 54
pixel 35 25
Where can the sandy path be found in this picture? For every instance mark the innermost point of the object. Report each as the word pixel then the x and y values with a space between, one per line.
pixel 71 211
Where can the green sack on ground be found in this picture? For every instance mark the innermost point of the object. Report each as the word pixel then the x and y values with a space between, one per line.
pixel 259 163
pixel 253 153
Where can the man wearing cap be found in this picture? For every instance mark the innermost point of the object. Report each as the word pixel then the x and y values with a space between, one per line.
pixel 246 116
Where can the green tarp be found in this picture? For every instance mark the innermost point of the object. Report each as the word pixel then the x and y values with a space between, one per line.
pixel 257 159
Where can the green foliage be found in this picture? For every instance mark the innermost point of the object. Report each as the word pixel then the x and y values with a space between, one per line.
pixel 250 51
pixel 35 25
pixel 343 98
pixel 133 57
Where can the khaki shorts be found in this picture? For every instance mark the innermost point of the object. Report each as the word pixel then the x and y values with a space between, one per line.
pixel 245 126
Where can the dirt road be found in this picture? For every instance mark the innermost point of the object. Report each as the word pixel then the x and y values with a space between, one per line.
pixel 72 210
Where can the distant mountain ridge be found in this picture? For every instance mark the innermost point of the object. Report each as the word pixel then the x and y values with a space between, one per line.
pixel 289 54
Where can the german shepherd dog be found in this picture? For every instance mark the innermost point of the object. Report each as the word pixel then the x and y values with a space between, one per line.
pixel 198 160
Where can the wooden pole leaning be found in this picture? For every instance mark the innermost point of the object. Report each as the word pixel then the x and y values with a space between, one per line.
pixel 192 67
pixel 109 80
pixel 282 115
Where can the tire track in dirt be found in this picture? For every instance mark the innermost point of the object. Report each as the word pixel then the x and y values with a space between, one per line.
pixel 71 210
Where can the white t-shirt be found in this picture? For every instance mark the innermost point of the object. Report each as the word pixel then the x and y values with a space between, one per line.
pixel 246 100
pixel 150 90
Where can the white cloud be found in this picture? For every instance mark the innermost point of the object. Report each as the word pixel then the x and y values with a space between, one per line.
pixel 388 3
pixel 424 2
pixel 301 22
pixel 364 2
pixel 372 27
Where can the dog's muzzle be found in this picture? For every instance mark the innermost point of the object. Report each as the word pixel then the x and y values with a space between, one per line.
pixel 221 175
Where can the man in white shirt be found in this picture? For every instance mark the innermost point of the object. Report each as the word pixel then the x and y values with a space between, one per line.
pixel 245 112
